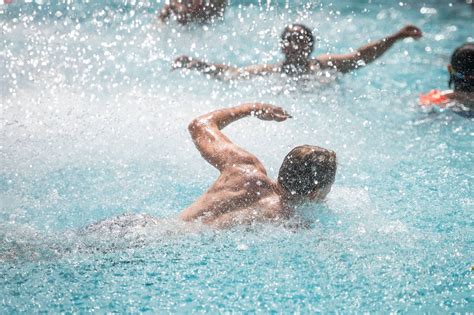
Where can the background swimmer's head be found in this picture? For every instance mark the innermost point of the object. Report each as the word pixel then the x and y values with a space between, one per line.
pixel 461 69
pixel 308 171
pixel 297 41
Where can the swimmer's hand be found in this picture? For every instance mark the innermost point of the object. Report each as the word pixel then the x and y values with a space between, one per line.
pixel 269 112
pixel 185 62
pixel 409 31
pixel 216 70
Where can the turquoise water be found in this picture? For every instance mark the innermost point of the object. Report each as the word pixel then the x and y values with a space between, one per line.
pixel 93 125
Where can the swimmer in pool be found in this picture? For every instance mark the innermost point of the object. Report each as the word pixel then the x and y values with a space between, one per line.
pixel 188 11
pixel 297 44
pixel 461 74
pixel 243 193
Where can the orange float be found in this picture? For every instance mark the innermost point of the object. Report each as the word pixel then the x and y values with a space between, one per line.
pixel 434 97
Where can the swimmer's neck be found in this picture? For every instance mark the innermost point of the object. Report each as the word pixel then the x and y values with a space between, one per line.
pixel 297 61
pixel 288 201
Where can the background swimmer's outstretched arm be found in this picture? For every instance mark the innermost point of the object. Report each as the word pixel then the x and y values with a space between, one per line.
pixel 368 53
pixel 221 70
pixel 263 69
pixel 185 62
pixel 219 150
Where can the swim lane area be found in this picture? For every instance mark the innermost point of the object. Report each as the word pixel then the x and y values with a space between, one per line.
pixel 93 124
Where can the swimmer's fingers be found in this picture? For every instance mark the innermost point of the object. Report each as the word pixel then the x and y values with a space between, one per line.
pixel 280 114
pixel 270 112
pixel 416 33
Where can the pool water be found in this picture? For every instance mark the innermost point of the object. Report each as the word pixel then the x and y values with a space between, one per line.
pixel 93 125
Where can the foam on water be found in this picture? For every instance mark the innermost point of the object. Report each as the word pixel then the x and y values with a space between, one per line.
pixel 93 125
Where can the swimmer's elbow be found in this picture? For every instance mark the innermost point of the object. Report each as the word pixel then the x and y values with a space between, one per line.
pixel 196 126
pixel 193 126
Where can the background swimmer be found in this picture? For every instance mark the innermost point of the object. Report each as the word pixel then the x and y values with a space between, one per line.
pixel 297 44
pixel 187 11
pixel 461 74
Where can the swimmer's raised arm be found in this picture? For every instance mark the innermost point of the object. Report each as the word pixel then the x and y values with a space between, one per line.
pixel 219 150
pixel 368 53
pixel 221 70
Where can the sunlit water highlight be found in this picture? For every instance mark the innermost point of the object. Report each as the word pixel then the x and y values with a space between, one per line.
pixel 93 125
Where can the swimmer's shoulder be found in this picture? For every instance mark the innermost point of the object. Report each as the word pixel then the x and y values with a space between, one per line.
pixel 320 64
pixel 252 177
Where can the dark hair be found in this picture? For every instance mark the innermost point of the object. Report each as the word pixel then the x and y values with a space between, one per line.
pixel 307 168
pixel 462 63
pixel 298 29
